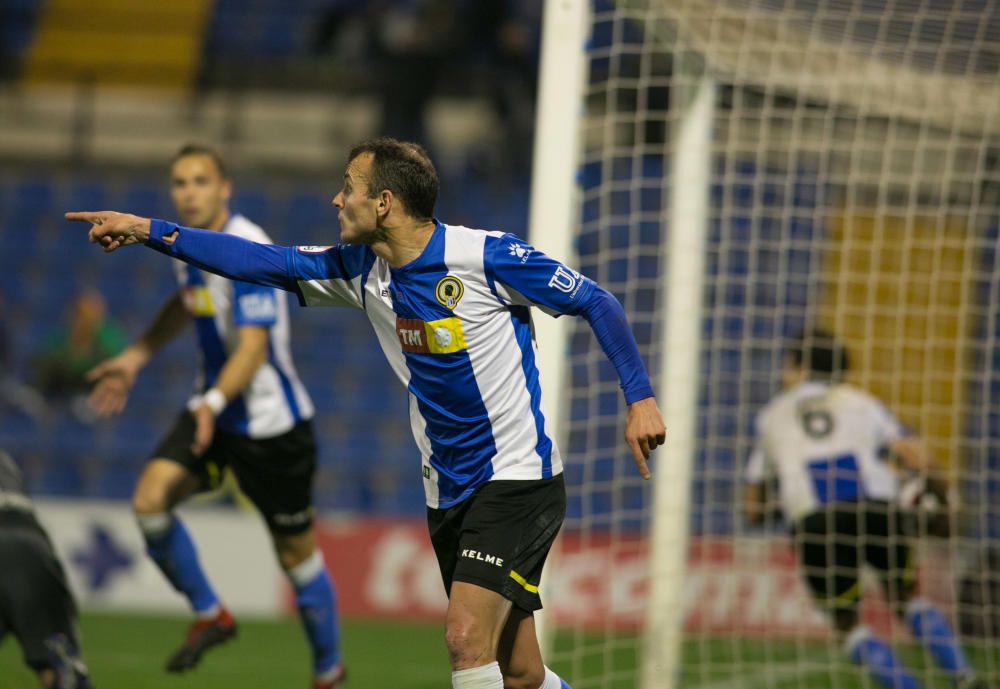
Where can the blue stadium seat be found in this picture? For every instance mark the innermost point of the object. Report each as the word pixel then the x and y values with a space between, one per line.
pixel 86 196
pixel 148 200
pixel 253 203
pixel 31 197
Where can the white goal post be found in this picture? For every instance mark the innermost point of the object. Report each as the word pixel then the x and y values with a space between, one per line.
pixel 554 212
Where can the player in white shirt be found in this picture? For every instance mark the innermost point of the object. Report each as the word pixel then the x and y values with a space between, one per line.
pixel 250 412
pixel 450 308
pixel 837 455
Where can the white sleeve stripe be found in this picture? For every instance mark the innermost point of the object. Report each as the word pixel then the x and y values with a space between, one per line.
pixel 331 292
pixel 514 297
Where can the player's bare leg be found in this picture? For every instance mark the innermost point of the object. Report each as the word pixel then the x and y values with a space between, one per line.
pixel 475 620
pixel 47 679
pixel 520 657
pixel 315 597
pixel 161 487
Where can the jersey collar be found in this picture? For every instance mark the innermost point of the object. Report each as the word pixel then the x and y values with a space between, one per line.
pixel 435 247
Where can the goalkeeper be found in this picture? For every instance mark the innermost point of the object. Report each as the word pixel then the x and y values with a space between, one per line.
pixel 36 605
pixel 836 453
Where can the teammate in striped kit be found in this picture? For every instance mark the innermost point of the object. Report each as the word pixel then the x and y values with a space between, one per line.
pixel 250 412
pixel 837 454
pixel 450 307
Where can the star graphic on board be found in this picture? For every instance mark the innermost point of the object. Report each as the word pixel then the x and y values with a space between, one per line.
pixel 101 558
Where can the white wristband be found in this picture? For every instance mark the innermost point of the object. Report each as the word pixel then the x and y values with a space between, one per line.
pixel 195 402
pixel 215 400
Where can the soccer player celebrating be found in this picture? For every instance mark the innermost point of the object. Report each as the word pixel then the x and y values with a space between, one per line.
pixel 250 412
pixel 837 454
pixel 36 605
pixel 450 308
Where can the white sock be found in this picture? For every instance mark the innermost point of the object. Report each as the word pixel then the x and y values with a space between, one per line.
pixel 154 525
pixel 307 570
pixel 210 613
pixel 482 677
pixel 551 680
pixel 855 637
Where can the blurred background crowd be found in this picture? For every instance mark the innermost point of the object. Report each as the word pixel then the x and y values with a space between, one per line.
pixel 96 95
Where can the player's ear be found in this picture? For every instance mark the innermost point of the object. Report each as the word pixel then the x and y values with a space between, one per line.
pixel 227 190
pixel 384 205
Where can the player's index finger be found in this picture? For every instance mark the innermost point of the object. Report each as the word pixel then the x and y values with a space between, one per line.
pixel 643 467
pixel 82 216
pixel 636 451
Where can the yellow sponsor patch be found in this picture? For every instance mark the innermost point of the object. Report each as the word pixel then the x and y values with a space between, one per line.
pixel 198 301
pixel 431 337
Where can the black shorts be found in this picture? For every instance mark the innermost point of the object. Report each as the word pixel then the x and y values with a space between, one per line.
pixel 834 544
pixel 275 473
pixel 499 538
pixel 35 602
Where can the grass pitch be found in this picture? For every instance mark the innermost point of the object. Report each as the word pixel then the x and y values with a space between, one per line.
pixel 129 651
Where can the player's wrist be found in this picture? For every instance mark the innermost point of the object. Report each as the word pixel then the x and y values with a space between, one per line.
pixel 158 233
pixel 215 400
pixel 138 354
pixel 141 229
pixel 648 399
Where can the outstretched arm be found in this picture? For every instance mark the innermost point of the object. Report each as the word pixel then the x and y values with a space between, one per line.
pixel 319 276
pixel 225 255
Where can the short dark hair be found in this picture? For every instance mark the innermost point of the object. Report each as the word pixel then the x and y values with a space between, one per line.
pixel 817 351
pixel 405 169
pixel 202 150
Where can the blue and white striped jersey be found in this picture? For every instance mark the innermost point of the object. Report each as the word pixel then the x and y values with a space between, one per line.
pixel 456 329
pixel 824 443
pixel 275 400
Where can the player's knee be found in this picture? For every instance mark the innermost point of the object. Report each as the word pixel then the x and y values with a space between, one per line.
pixel 161 486
pixel 150 499
pixel 289 559
pixel 291 554
pixel 293 549
pixel 845 620
pixel 47 679
pixel 524 678
pixel 468 644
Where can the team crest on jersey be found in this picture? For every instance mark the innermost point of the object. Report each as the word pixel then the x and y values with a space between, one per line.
pixel 313 249
pixel 449 291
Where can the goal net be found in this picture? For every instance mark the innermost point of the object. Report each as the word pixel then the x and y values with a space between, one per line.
pixel 748 168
